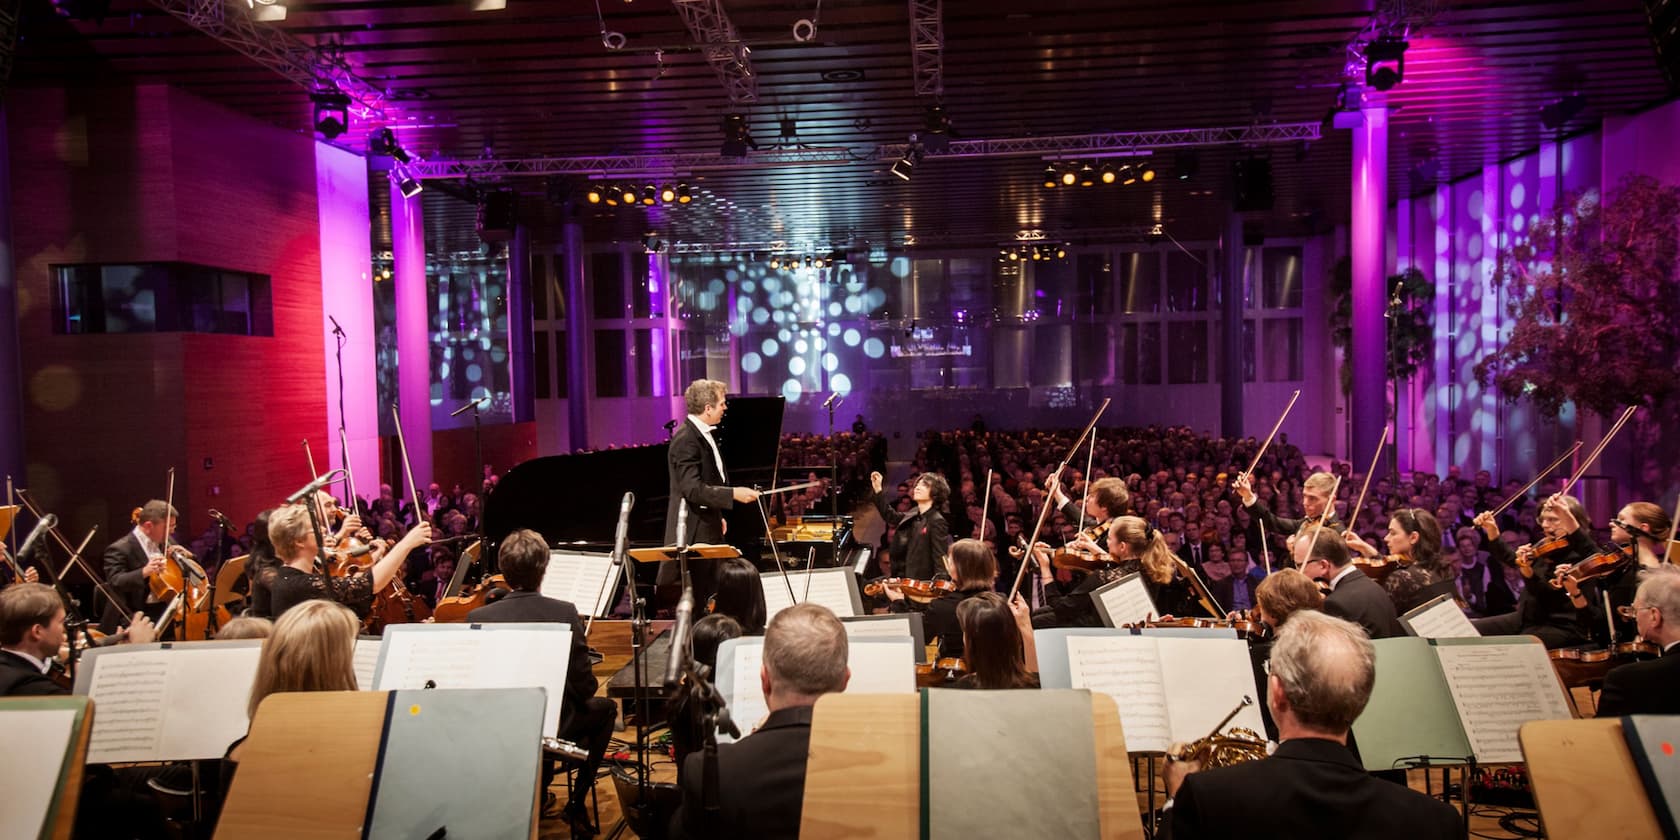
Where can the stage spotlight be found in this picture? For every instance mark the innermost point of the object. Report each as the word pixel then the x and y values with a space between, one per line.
pixel 684 195
pixel 384 142
pixel 737 138
pixel 1385 62
pixel 936 129
pixel 1146 172
pixel 1061 252
pixel 1014 256
pixel 1108 174
pixel 610 195
pixel 406 184
pixel 1128 175
pixel 1087 176
pixel 1186 164
pixel 594 194
pixel 650 194
pixel 667 194
pixel 902 168
pixel 1050 177
pixel 627 194
pixel 1037 254
pixel 332 112
pixel 775 262
pixel 1069 177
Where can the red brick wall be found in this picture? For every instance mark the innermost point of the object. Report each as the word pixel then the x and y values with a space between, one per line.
pixel 132 174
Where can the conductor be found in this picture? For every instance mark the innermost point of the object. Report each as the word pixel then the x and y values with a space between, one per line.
pixel 698 476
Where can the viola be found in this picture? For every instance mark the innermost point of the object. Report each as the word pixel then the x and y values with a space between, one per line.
pixel 454 608
pixel 396 605
pixel 946 670
pixel 920 591
pixel 1597 566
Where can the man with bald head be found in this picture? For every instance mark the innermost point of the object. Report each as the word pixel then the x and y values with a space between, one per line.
pixel 1319 679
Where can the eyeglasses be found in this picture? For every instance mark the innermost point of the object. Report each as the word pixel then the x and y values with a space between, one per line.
pixel 1266 667
pixel 1631 611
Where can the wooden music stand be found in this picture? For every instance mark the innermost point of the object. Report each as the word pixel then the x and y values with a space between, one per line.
pixel 307 768
pixel 7 513
pixel 878 737
pixel 226 577
pixel 61 818
pixel 1562 756
pixel 698 551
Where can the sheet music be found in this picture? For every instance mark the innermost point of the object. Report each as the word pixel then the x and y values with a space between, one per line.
pixel 1125 601
pixel 366 662
pixel 898 627
pixel 1498 688
pixel 1127 668
pixel 1206 679
pixel 584 580
pixel 1440 619
pixel 878 667
pixel 178 704
pixel 831 588
pixel 479 656
pixel 37 741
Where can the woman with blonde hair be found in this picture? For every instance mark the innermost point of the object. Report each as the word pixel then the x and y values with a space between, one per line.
pixel 297 580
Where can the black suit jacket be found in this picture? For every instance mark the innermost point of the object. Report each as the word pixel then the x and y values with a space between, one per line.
pixel 1362 600
pixel 694 476
pixel 920 542
pixel 1642 688
pixel 125 563
pixel 1309 788
pixel 20 678
pixel 761 783
pixel 531 606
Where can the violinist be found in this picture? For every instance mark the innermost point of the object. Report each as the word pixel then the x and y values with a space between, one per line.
pixel 1652 687
pixel 1550 614
pixel 262 565
pixel 1315 494
pixel 585 719
pixel 1133 546
pixel 1640 533
pixel 1105 499
pixel 298 580
pixel 134 558
pixel 997 643
pixel 1322 554
pixel 1282 594
pixel 973 568
pixel 740 595
pixel 32 635
pixel 1414 544
pixel 922 536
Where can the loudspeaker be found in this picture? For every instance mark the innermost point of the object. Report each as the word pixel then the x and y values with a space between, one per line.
pixel 497 212
pixel 1251 188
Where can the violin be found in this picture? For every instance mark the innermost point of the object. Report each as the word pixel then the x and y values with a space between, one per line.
pixel 1378 568
pixel 1597 566
pixel 454 608
pixel 1539 549
pixel 920 591
pixel 1246 628
pixel 935 674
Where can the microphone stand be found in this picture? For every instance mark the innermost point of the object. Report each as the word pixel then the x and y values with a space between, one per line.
pixel 834 401
pixel 210 624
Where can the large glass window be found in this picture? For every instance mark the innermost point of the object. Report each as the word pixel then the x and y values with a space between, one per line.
pixel 160 297
pixel 1187 363
pixel 1140 281
pixel 1281 278
pixel 1187 282
pixel 1281 349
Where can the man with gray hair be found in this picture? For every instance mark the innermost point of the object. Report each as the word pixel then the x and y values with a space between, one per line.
pixel 1651 687
pixel 760 780
pixel 698 476
pixel 1318 681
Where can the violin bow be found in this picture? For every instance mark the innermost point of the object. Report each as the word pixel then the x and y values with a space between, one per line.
pixel 1598 450
pixel 11 532
pixel 810 564
pixel 1324 515
pixel 775 552
pixel 986 503
pixel 408 468
pixel 349 477
pixel 1275 427
pixel 1672 555
pixel 1538 477
pixel 308 453
pixel 1044 514
pixel 1090 458
pixel 1353 514
pixel 75 554
pixel 1265 550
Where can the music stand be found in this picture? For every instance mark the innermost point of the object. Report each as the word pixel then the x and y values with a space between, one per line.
pixel 698 551
pixel 7 514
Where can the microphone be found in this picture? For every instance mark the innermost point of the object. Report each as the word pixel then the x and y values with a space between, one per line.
pixel 311 487
pixel 471 404
pixel 360 550
pixel 1394 299
pixel 682 525
pixel 671 424
pixel 620 539
pixel 45 523
pixel 337 330
pixel 832 400
pixel 679 639
pixel 221 520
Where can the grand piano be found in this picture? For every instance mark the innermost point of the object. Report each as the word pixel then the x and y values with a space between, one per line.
pixel 574 499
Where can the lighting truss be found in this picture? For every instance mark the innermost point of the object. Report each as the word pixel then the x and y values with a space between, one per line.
pixel 1070 145
pixel 709 25
pixel 1118 141
pixel 303 64
pixel 622 166
pixel 927 47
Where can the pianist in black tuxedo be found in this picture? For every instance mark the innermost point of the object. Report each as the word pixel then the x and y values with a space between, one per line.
pixel 1653 687
pixel 695 465
pixel 585 719
pixel 130 561
pixel 1324 556
pixel 1322 670
pixel 761 778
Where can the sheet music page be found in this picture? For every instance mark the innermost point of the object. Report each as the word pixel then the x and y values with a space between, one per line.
pixel 490 656
pixel 1126 601
pixel 36 743
pixel 878 667
pixel 128 692
pixel 828 587
pixel 1127 668
pixel 584 580
pixel 366 662
pixel 745 693
pixel 1498 688
pixel 1441 619
pixel 897 628
pixel 1205 679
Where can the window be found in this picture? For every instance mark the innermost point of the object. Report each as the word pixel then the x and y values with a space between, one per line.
pixel 606 273
pixel 1096 285
pixel 1280 281
pixel 1149 354
pixel 1280 350
pixel 1187 282
pixel 644 363
pixel 1187 357
pixel 160 297
pixel 541 361
pixel 1140 281
pixel 609 363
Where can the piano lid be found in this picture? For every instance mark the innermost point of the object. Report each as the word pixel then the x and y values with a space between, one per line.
pixel 575 497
